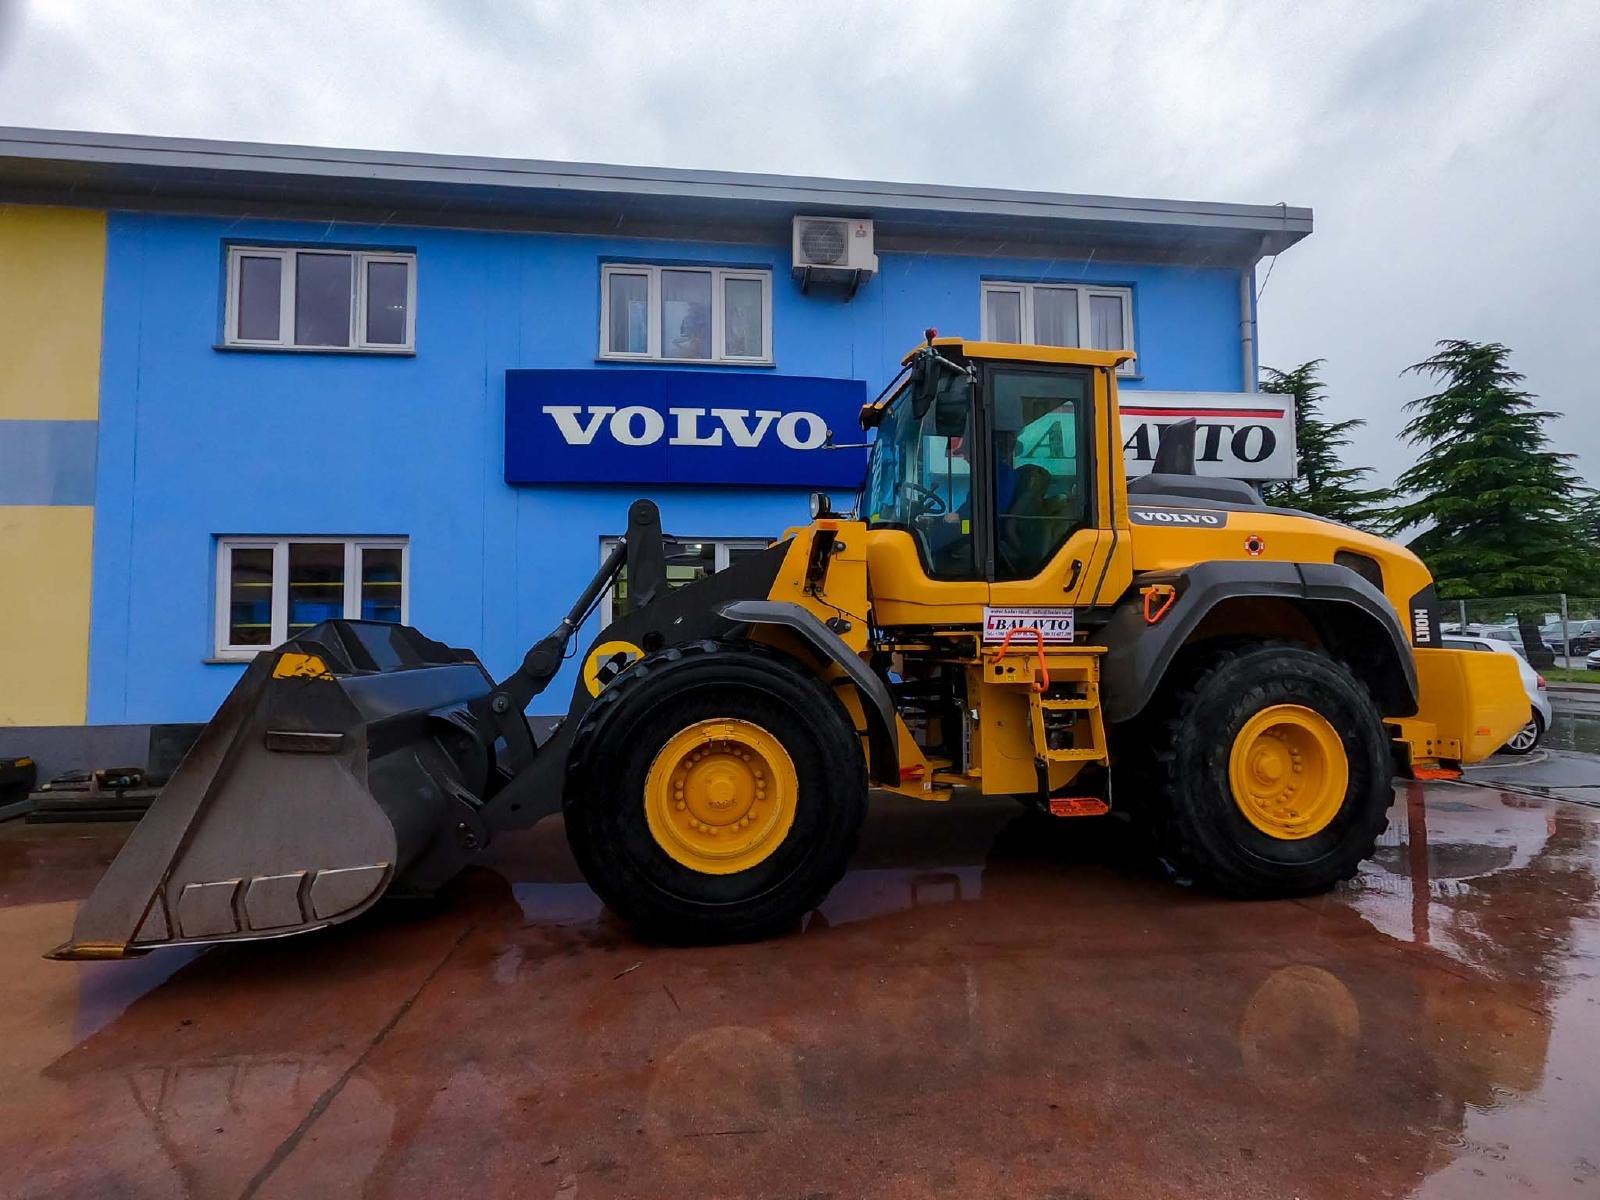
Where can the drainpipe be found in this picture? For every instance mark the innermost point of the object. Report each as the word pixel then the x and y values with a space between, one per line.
pixel 1247 324
pixel 1247 315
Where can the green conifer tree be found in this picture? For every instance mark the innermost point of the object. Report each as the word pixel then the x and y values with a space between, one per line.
pixel 1496 503
pixel 1326 485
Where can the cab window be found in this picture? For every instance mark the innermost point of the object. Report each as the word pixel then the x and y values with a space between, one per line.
pixel 1041 477
pixel 920 480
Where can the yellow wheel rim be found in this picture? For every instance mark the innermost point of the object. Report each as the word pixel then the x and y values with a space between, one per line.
pixel 1288 771
pixel 720 796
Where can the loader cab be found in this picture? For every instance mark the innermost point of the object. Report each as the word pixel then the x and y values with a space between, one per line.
pixel 992 462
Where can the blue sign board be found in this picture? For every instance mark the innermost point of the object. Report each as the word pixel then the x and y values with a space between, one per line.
pixel 624 425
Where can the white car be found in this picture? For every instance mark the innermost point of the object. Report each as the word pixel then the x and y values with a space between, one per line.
pixel 1529 736
pixel 1593 661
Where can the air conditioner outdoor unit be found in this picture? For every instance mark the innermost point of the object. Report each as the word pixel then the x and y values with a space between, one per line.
pixel 833 250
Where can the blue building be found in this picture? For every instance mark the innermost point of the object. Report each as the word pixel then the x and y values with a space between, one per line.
pixel 247 387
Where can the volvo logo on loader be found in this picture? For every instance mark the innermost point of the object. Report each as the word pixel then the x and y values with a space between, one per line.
pixel 1205 519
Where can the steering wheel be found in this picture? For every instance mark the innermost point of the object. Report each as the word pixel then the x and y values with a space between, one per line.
pixel 928 503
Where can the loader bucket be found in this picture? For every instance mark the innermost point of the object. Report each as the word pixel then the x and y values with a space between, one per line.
pixel 341 764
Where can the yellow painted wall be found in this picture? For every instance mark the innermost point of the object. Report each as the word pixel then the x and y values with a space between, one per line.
pixel 52 288
pixel 52 284
pixel 46 553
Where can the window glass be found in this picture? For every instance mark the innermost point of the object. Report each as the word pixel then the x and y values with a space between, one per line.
pixel 316 584
pixel 250 597
pixel 1039 485
pixel 685 314
pixel 1055 316
pixel 322 300
pixel 380 583
pixel 690 562
pixel 260 289
pixel 386 302
pixel 1004 316
pixel 742 322
pixel 629 305
pixel 1105 323
pixel 920 480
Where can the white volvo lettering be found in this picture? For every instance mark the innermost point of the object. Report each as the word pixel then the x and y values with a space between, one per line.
pixel 651 425
pixel 789 431
pixel 640 425
pixel 733 421
pixel 688 429
pixel 566 419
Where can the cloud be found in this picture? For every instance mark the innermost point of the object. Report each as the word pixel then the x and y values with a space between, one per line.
pixel 1444 147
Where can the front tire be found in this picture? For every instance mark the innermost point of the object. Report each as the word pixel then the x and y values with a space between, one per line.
pixel 1272 775
pixel 716 793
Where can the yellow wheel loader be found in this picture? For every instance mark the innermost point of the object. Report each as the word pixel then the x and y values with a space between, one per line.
pixel 1002 611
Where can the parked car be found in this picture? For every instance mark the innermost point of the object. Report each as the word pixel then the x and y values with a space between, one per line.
pixel 1531 734
pixel 1582 636
pixel 1593 661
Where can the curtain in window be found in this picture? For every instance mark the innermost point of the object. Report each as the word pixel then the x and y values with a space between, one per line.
pixel 1055 316
pixel 1105 323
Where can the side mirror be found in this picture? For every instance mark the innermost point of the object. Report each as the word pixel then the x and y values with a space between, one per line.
pixel 951 407
pixel 925 376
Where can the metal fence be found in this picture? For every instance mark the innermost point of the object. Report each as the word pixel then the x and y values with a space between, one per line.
pixel 1569 625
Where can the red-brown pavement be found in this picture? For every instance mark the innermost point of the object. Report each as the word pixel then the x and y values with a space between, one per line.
pixel 990 1005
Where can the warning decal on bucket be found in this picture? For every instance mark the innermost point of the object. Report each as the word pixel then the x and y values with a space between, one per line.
pixel 1056 624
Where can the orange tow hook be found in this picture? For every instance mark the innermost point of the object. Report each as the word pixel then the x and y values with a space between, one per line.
pixel 1158 597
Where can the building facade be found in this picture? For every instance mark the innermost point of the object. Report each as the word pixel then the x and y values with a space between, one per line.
pixel 244 388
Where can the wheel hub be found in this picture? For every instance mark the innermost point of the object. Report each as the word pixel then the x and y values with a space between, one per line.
pixel 720 796
pixel 1288 771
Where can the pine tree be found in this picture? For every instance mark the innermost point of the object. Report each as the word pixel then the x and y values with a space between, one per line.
pixel 1496 502
pixel 1324 486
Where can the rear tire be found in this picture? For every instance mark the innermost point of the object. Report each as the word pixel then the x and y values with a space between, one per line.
pixel 1526 738
pixel 636 847
pixel 1298 718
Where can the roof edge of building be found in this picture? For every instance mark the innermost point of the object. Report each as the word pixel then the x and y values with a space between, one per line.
pixel 203 167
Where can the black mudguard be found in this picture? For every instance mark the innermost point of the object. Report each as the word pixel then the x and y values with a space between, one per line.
pixel 1345 609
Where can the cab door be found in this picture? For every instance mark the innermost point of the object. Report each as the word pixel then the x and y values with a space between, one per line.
pixel 1059 509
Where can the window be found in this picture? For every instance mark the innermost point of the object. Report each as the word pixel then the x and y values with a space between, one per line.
pixel 693 560
pixel 308 299
pixel 269 589
pixel 1050 314
pixel 685 314
pixel 1040 478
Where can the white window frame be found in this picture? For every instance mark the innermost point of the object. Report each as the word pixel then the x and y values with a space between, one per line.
pixel 287 256
pixel 1084 290
pixel 720 276
pixel 224 651
pixel 721 557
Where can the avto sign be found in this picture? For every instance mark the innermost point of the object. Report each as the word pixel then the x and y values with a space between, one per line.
pixel 625 425
pixel 1238 435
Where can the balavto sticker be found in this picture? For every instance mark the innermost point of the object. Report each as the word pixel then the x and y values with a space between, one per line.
pixel 1055 624
pixel 1201 518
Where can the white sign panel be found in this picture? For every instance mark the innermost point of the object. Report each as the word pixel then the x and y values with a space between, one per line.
pixel 1238 435
pixel 1056 624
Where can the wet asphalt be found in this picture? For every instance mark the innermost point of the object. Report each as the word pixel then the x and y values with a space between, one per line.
pixel 989 1005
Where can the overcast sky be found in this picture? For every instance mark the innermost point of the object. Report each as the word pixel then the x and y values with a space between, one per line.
pixel 1451 151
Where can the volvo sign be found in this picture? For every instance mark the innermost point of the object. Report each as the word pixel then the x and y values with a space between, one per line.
pixel 627 425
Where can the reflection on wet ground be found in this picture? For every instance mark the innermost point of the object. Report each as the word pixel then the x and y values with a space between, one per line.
pixel 1576 730
pixel 989 1005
